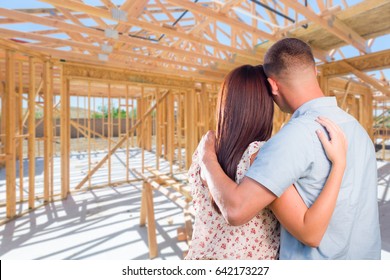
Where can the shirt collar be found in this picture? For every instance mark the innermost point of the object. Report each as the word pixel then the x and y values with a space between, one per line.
pixel 315 103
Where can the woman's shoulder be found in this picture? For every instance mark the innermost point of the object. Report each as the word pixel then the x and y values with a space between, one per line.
pixel 254 147
pixel 247 159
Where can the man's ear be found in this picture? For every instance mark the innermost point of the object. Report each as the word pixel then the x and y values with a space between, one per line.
pixel 274 86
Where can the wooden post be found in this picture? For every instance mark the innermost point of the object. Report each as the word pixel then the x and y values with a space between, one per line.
pixel 158 131
pixel 119 122
pixel 149 131
pixel 171 130
pixel 368 106
pixel 141 137
pixel 190 126
pixel 143 211
pixel 324 84
pixel 147 216
pixel 133 119
pixel 109 131
pixel 94 124
pixel 10 123
pixel 89 132
pixel 31 137
pixel 127 134
pixel 139 114
pixel 48 132
pixel 204 95
pixel 179 129
pixel 65 136
pixel 2 118
pixel 19 141
pixel 165 128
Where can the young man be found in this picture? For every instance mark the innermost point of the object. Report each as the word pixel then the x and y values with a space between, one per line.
pixel 295 156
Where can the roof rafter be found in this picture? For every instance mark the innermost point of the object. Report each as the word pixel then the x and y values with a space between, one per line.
pixel 100 34
pixel 93 49
pixel 149 26
pixel 334 25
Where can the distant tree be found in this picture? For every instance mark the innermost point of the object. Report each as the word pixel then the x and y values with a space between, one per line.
pixel 115 113
pixel 38 115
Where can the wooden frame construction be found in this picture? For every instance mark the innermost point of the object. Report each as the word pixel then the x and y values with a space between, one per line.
pixel 101 82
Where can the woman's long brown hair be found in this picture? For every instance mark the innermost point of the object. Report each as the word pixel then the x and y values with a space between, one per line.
pixel 244 114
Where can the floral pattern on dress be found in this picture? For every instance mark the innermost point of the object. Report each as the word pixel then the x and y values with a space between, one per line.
pixel 214 238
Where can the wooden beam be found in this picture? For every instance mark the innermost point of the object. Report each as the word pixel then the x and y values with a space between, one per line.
pixel 65 135
pixel 369 62
pixel 95 49
pixel 31 137
pixel 210 76
pixel 10 163
pixel 235 24
pixel 334 25
pixel 170 130
pixel 19 124
pixel 230 4
pixel 129 41
pixel 190 126
pixel 147 191
pixel 134 9
pixel 6 44
pixel 76 6
pixel 48 132
pixel 371 81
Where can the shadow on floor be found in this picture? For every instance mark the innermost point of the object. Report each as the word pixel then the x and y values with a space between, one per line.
pixel 98 224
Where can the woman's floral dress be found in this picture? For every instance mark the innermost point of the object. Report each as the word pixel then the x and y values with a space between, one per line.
pixel 214 238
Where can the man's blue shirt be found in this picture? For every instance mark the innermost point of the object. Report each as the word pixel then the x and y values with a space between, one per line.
pixel 295 156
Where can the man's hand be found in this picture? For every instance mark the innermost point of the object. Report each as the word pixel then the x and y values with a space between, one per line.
pixel 206 152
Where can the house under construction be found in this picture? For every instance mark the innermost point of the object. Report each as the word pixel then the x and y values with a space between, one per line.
pixel 107 94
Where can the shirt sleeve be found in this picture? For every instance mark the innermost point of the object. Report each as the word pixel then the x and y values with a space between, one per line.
pixel 284 159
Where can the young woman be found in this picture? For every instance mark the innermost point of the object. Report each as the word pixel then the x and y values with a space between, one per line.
pixel 244 122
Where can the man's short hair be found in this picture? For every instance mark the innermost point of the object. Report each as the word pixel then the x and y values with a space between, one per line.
pixel 288 54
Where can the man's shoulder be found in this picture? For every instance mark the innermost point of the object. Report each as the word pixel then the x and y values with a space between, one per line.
pixel 297 131
pixel 302 124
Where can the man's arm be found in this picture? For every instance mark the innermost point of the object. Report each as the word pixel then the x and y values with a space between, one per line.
pixel 238 203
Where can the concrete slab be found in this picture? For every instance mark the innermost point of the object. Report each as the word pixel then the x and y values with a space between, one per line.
pixel 96 224
pixel 104 223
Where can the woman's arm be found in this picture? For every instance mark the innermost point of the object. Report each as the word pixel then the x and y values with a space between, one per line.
pixel 238 203
pixel 309 225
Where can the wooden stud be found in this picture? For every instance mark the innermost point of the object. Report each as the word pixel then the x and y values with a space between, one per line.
pixel 20 140
pixel 65 136
pixel 109 131
pixel 152 240
pixel 142 130
pixel 179 129
pixel 143 211
pixel 2 118
pixel 31 137
pixel 127 134
pixel 158 130
pixel 205 110
pixel 48 132
pixel 190 120
pixel 170 130
pixel 10 163
pixel 89 132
